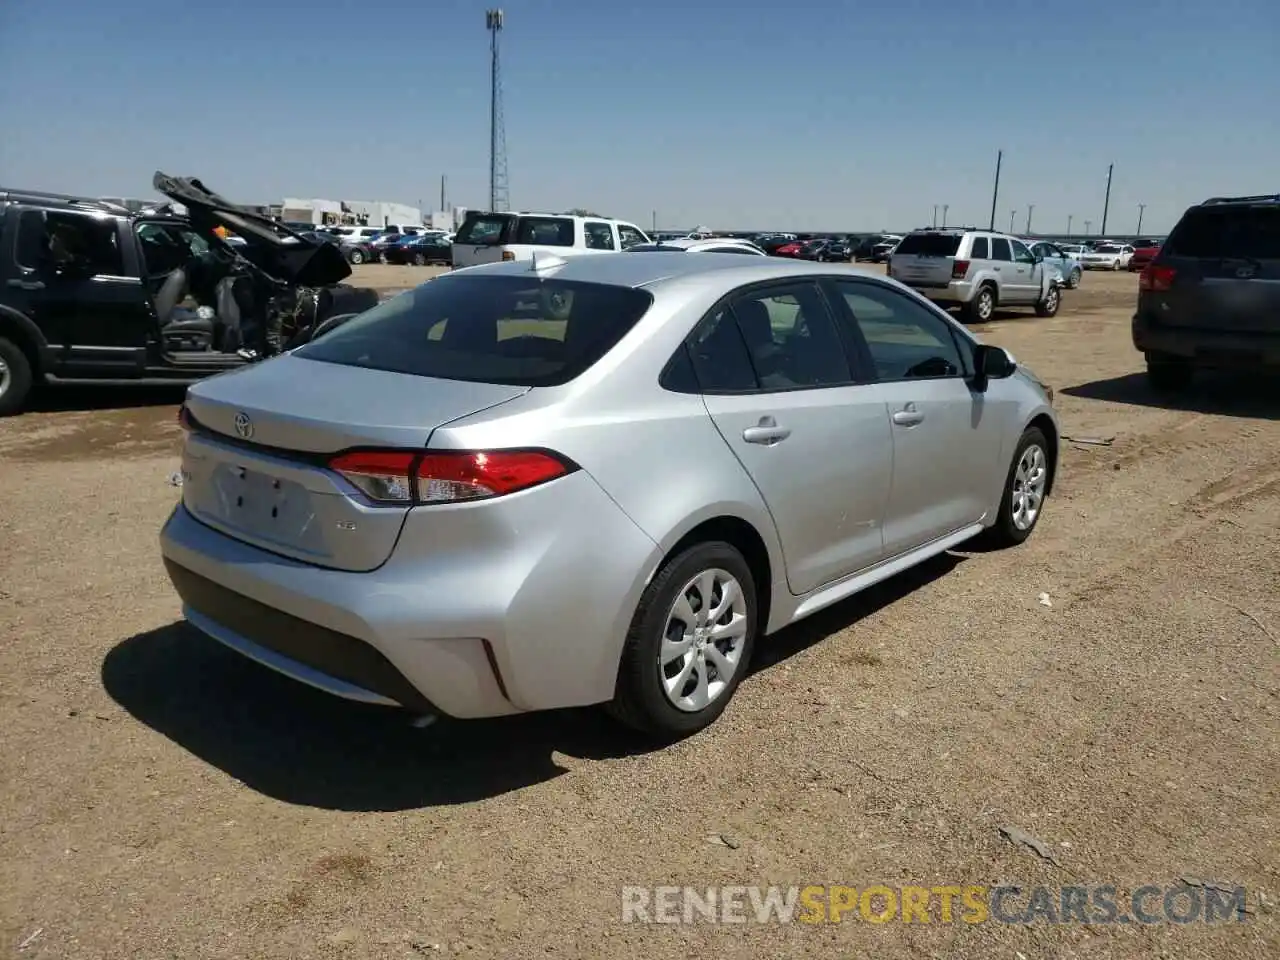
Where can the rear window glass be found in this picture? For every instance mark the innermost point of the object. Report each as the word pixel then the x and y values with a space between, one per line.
pixel 929 245
pixel 981 249
pixel 546 232
pixel 486 228
pixel 511 330
pixel 1216 232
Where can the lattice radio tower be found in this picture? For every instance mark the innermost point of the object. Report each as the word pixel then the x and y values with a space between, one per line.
pixel 498 196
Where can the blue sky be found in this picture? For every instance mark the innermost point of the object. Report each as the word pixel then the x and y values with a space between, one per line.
pixel 815 114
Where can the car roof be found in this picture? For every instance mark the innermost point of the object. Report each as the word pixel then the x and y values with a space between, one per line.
pixel 643 269
pixel 689 243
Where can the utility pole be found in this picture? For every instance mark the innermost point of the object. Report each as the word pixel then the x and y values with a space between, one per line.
pixel 995 192
pixel 1141 209
pixel 655 222
pixel 493 22
pixel 1087 225
pixel 1070 217
pixel 1012 214
pixel 945 208
pixel 1030 207
pixel 442 206
pixel 1107 202
pixel 935 216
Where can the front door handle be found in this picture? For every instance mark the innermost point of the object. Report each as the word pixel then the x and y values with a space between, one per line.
pixel 27 284
pixel 766 432
pixel 908 416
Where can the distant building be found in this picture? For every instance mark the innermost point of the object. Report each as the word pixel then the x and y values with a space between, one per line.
pixel 372 213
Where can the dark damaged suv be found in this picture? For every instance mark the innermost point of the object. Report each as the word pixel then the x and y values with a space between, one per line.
pixel 1211 297
pixel 91 292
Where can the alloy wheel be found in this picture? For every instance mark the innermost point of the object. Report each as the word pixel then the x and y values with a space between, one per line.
pixel 703 639
pixel 1029 481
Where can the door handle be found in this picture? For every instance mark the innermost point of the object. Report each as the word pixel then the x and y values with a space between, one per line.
pixel 908 416
pixel 27 284
pixel 766 432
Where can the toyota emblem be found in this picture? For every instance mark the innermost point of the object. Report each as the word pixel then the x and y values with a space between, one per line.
pixel 244 426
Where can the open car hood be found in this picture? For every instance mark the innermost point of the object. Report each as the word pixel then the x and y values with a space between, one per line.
pixel 271 246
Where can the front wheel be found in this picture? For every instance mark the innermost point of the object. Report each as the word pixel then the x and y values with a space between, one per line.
pixel 1115 265
pixel 1073 281
pixel 1049 304
pixel 689 644
pixel 1025 489
pixel 419 260
pixel 15 377
pixel 357 257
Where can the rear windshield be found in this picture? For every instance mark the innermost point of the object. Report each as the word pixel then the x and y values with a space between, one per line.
pixel 483 228
pixel 1218 232
pixel 509 330
pixel 929 245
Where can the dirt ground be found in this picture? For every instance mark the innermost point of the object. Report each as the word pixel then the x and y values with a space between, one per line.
pixel 161 797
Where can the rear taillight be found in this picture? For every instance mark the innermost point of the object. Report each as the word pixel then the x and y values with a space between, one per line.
pixel 508 255
pixel 184 418
pixel 400 478
pixel 1156 277
pixel 959 269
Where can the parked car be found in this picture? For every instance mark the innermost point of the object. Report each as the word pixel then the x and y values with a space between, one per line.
pixel 1107 256
pixel 836 251
pixel 791 249
pixel 494 237
pixel 1068 266
pixel 977 270
pixel 426 547
pixel 884 249
pixel 813 249
pixel 1144 251
pixel 92 292
pixel 1211 295
pixel 717 245
pixel 421 250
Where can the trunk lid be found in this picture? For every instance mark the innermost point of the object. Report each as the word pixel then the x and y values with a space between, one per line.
pixel 925 259
pixel 255 468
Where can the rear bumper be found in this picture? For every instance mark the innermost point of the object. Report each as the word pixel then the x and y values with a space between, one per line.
pixel 482 610
pixel 954 291
pixel 1209 348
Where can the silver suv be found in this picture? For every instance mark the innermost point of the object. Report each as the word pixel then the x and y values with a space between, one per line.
pixel 977 270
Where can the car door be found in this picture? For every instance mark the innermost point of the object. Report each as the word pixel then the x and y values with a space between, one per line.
pixel 947 437
pixel 1028 273
pixel 777 382
pixel 81 293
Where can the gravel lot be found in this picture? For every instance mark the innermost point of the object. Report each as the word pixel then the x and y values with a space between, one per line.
pixel 165 798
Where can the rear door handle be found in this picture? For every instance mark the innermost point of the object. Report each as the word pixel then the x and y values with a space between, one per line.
pixel 908 416
pixel 766 432
pixel 27 284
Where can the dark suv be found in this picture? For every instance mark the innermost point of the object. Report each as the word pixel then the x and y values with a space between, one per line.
pixel 1211 295
pixel 92 292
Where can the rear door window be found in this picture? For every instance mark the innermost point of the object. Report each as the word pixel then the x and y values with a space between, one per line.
pixel 1000 249
pixel 981 249
pixel 57 239
pixel 509 330
pixel 1227 233
pixel 545 231
pixel 598 235
pixel 928 245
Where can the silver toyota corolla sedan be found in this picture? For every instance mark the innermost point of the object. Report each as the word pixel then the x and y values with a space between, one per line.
pixel 593 480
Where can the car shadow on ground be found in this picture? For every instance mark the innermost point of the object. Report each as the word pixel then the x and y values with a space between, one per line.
pixel 72 399
pixel 1229 394
pixel 298 745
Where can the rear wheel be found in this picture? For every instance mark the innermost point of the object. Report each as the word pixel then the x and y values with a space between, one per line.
pixel 15 377
pixel 356 257
pixel 982 306
pixel 419 260
pixel 689 644
pixel 1168 374
pixel 1073 280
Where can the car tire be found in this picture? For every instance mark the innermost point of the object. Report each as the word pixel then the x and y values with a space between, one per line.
pixel 15 377
pixel 1073 281
pixel 983 305
pixel 646 697
pixel 1169 374
pixel 1115 266
pixel 1028 476
pixel 1048 305
pixel 419 260
pixel 356 257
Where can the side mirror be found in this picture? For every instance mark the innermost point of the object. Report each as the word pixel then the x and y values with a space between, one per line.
pixel 992 363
